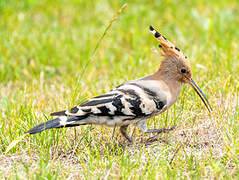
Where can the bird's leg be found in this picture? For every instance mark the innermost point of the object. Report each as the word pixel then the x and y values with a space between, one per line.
pixel 123 130
pixel 158 131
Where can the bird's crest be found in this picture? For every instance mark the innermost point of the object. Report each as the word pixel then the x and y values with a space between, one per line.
pixel 169 49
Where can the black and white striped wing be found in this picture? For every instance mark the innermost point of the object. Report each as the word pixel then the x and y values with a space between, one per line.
pixel 126 102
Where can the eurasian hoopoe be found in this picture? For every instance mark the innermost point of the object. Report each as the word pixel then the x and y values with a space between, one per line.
pixel 135 101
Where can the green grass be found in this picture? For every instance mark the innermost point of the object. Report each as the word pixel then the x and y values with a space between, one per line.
pixel 45 47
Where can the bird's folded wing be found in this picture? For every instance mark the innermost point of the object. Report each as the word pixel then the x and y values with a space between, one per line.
pixel 129 100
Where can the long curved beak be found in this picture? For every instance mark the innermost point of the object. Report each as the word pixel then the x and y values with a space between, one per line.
pixel 200 94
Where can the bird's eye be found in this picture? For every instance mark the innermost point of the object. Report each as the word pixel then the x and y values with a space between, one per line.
pixel 183 71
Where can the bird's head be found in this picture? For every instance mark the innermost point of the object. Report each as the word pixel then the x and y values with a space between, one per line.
pixel 176 66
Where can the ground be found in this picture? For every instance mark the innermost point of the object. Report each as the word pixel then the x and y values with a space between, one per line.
pixel 50 61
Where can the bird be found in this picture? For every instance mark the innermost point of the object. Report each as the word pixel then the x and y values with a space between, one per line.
pixel 135 101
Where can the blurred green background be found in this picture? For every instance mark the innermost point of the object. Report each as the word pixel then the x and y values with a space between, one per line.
pixel 47 64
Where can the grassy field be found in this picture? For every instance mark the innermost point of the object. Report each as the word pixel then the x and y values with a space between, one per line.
pixel 47 63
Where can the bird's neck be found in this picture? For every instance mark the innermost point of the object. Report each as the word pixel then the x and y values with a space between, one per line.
pixel 170 81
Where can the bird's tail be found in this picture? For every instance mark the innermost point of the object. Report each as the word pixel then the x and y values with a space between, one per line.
pixel 59 122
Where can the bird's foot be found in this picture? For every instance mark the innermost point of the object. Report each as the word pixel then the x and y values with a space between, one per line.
pixel 158 131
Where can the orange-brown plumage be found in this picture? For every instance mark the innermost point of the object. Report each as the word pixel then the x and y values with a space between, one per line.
pixel 175 69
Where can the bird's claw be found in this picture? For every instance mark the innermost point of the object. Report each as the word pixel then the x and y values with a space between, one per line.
pixel 155 137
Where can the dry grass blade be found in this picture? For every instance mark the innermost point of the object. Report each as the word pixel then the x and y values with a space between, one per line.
pixel 108 27
pixel 97 46
pixel 15 142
